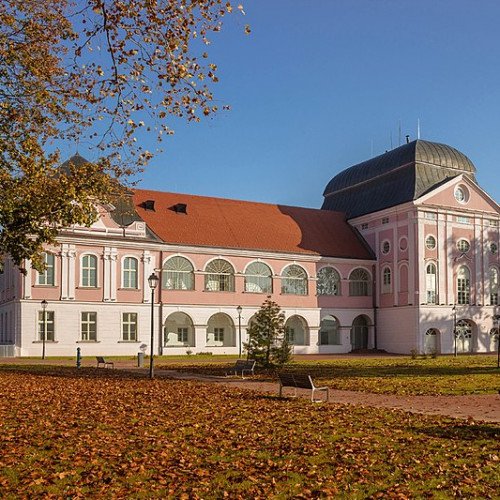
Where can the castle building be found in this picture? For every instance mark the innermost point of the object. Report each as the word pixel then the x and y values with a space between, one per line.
pixel 402 256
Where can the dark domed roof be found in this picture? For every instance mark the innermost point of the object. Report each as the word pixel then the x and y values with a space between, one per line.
pixel 395 177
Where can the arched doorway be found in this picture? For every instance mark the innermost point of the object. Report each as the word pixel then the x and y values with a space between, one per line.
pixel 359 333
pixel 432 341
pixel 297 331
pixel 329 331
pixel 178 331
pixel 464 336
pixel 221 331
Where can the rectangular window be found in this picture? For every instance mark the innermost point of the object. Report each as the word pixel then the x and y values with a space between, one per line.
pixel 385 220
pixel 219 334
pixel 46 325
pixel 463 291
pixel 48 276
pixel 130 272
pixel 88 326
pixel 364 226
pixel 129 326
pixel 430 215
pixel 493 223
pixel 463 220
pixel 182 334
pixel 494 299
pixel 89 271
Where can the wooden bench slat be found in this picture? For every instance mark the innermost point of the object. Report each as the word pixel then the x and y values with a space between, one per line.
pixel 241 366
pixel 102 361
pixel 300 381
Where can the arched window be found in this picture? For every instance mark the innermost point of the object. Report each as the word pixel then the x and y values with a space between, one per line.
pixel 129 272
pixel 89 270
pixel 329 333
pixel 328 282
pixel 493 286
pixel 178 274
pixel 48 276
pixel 219 276
pixel 430 283
pixel 294 281
pixel 386 280
pixel 359 281
pixel 258 278
pixel 463 285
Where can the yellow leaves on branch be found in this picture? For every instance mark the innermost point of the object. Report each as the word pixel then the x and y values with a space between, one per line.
pixel 93 72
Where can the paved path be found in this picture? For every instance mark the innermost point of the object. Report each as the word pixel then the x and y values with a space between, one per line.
pixel 485 407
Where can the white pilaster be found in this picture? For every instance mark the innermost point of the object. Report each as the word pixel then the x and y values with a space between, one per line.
pixel 441 254
pixel 113 257
pixel 478 253
pixel 148 267
pixel 411 259
pixel 64 271
pixel 449 260
pixel 27 279
pixel 71 272
pixel 420 261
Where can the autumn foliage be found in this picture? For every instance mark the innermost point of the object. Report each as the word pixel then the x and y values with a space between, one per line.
pixel 96 73
pixel 104 434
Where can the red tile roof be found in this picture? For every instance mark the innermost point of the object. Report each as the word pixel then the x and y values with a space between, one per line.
pixel 222 223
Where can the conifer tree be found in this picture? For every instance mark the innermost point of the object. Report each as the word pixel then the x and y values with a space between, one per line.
pixel 267 342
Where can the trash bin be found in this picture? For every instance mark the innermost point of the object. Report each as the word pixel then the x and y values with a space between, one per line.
pixel 140 359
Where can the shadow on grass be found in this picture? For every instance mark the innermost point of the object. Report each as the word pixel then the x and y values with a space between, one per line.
pixel 72 372
pixel 333 370
pixel 463 431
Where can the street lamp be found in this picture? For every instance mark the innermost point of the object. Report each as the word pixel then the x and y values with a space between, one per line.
pixel 454 309
pixel 153 283
pixel 44 329
pixel 496 318
pixel 239 309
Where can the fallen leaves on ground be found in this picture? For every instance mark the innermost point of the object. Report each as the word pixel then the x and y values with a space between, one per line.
pixel 103 434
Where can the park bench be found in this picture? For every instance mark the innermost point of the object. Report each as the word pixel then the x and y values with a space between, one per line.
pixel 102 362
pixel 241 366
pixel 299 381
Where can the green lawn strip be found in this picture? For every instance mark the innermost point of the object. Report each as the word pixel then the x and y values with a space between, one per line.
pixel 402 376
pixel 110 437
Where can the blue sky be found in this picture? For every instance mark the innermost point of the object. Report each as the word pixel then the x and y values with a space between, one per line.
pixel 320 85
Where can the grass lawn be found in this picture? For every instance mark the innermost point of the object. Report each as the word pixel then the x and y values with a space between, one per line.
pixel 103 434
pixel 389 375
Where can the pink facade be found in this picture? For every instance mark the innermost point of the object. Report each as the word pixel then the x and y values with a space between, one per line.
pixel 420 274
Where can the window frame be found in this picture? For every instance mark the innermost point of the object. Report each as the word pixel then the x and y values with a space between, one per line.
pixel 359 287
pixel 46 273
pixel 86 324
pixel 331 281
pixel 128 323
pixel 219 280
pixel 86 271
pixel 294 284
pixel 262 281
pixel 129 274
pixel 50 322
pixel 463 287
pixel 431 287
pixel 175 277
